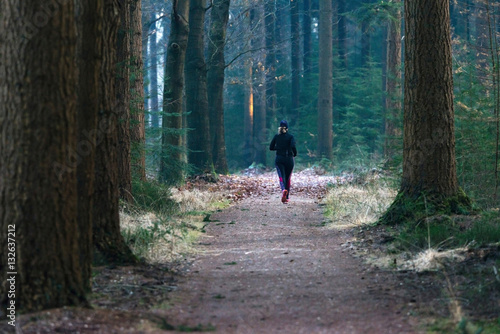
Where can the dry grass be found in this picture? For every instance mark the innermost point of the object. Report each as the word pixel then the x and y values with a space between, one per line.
pixel 353 205
pixel 161 239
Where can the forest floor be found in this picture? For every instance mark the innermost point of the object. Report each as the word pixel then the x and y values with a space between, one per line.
pixel 266 267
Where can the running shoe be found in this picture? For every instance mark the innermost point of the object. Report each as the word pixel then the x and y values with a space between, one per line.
pixel 283 197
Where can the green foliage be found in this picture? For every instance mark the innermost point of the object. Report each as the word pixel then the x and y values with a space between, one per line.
pixel 153 196
pixel 475 130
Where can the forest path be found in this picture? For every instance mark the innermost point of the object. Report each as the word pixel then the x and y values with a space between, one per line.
pixel 265 267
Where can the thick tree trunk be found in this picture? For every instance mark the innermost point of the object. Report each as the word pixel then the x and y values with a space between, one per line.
pixel 325 94
pixel 89 62
pixel 393 105
pixel 171 169
pixel 137 129
pixel 123 101
pixel 215 75
pixel 270 21
pixel 199 145
pixel 429 168
pixel 38 186
pixel 296 68
pixel 106 230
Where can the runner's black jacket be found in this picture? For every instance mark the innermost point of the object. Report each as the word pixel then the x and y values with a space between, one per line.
pixel 284 145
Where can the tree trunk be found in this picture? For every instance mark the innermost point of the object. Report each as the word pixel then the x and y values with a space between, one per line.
pixel 307 31
pixel 295 45
pixel 171 169
pixel 123 101
pixel 429 168
pixel 248 153
pixel 342 35
pixel 365 38
pixel 38 187
pixel 393 86
pixel 199 145
pixel 155 107
pixel 258 82
pixel 89 62
pixel 108 240
pixel 215 75
pixel 325 94
pixel 270 21
pixel 137 129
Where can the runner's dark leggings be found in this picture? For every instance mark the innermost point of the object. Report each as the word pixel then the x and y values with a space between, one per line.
pixel 284 167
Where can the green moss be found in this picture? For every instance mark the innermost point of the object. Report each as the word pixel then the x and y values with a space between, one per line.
pixel 414 208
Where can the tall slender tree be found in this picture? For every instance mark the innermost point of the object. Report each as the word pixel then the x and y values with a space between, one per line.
pixel 341 33
pixel 296 65
pixel 89 63
pixel 171 169
pixel 153 76
pixel 271 32
pixel 258 82
pixel 215 75
pixel 38 186
pixel 325 94
pixel 429 167
pixel 137 126
pixel 199 144
pixel 107 238
pixel 307 33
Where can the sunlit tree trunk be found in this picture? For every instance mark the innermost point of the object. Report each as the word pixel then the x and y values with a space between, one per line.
pixel 171 169
pixel 429 167
pixel 89 63
pixel 198 136
pixel 393 105
pixel 123 101
pixel 325 94
pixel 248 119
pixel 107 238
pixel 258 82
pixel 215 76
pixel 39 159
pixel 137 126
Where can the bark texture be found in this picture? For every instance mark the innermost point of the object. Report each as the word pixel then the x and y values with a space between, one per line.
pixel 393 105
pixel 325 94
pixel 89 62
pixel 215 76
pixel 171 170
pixel 199 144
pixel 137 126
pixel 429 136
pixel 108 240
pixel 123 101
pixel 38 187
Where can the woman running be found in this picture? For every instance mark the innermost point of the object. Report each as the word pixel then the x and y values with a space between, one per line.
pixel 284 145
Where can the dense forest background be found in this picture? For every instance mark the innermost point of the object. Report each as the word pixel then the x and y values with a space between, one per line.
pixel 272 68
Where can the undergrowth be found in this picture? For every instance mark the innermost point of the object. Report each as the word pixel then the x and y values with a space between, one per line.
pixel 163 222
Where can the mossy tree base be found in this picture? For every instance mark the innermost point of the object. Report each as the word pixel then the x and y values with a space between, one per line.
pixel 415 207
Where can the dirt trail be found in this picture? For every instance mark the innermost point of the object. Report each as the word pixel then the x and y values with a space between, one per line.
pixel 266 267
